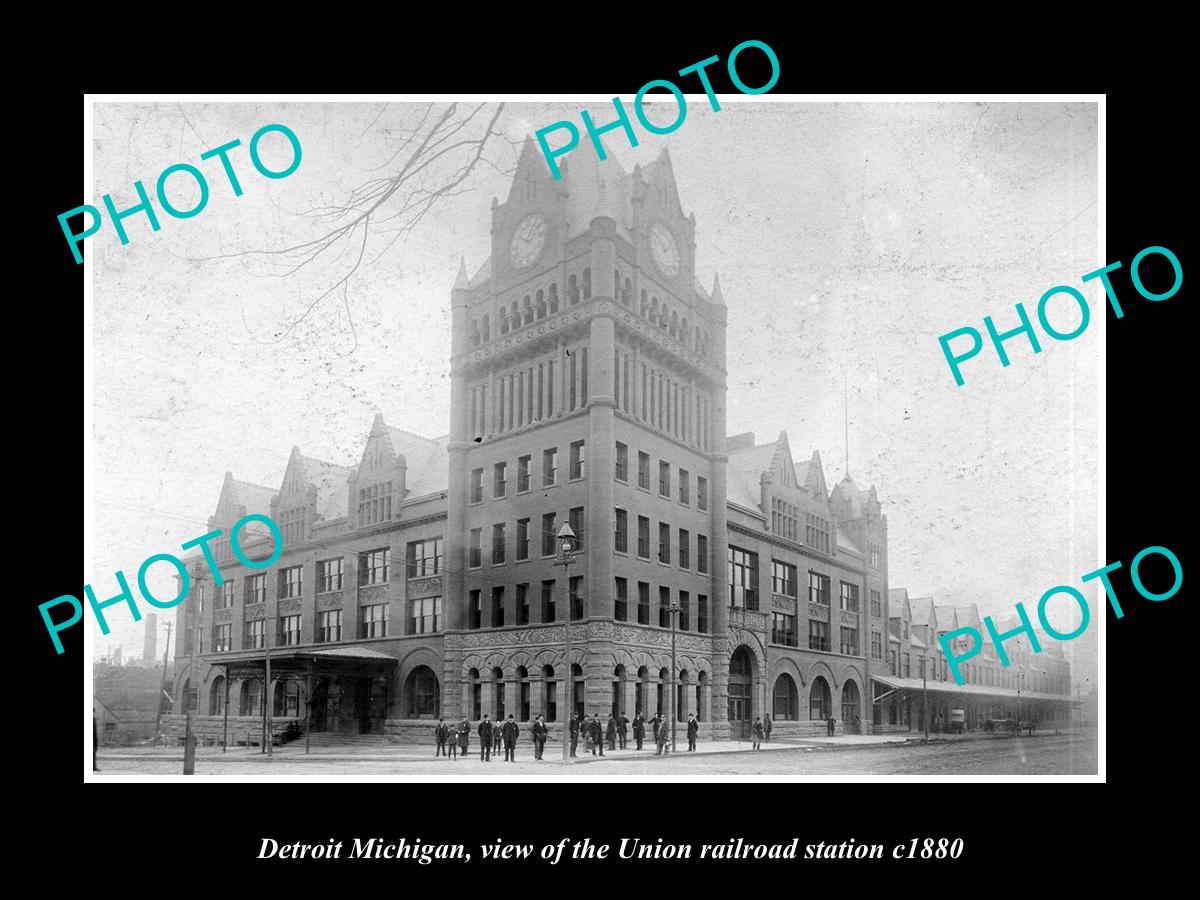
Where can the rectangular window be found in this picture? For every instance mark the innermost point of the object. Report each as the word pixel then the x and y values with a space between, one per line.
pixel 474 610
pixel 577 460
pixel 701 492
pixel 818 635
pixel 222 638
pixel 522 604
pixel 685 622
pixel 783 629
pixel 685 549
pixel 256 634
pixel 576 599
pixel 548 611
pixel 498 607
pixel 783 578
pixel 549 466
pixel 849 597
pixel 621 466
pixel 685 489
pixel 475 549
pixel 743 578
pixel 289 630
pixel 876 604
pixel 664 543
pixel 578 525
pixel 499 479
pixel 892 663
pixel 424 615
pixel 817 533
pixel 876 645
pixel 644 471
pixel 373 621
pixel 329 575
pixel 329 626
pixel 621 604
pixel 906 661
pixel 522 539
pixel 876 556
pixel 548 534
pixel 498 542
pixel 904 629
pixel 621 531
pixel 227 594
pixel 524 468
pixel 291 582
pixel 818 588
pixel 643 603
pixel 849 641
pixel 664 607
pixel 664 478
pixel 702 613
pixel 702 554
pixel 373 566
pixel 643 537
pixel 477 485
pixel 425 557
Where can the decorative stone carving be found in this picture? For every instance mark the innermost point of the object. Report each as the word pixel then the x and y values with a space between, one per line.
pixel 849 618
pixel 425 587
pixel 256 611
pixel 818 611
pixel 376 593
pixel 783 604
pixel 290 607
pixel 329 601
pixel 221 616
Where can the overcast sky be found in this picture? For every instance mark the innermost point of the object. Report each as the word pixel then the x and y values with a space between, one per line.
pixel 848 237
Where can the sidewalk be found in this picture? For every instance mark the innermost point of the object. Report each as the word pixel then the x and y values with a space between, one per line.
pixel 418 752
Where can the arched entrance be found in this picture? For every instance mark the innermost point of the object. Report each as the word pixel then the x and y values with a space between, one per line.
pixel 319 709
pixel 216 697
pixel 819 703
pixel 851 705
pixel 741 693
pixel 785 699
pixel 421 695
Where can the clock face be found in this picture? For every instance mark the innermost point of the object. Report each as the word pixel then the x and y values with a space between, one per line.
pixel 527 242
pixel 663 250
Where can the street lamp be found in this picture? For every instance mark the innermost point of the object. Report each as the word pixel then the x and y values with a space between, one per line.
pixel 674 609
pixel 566 556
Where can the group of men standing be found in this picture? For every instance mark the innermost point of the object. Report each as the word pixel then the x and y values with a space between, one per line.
pixel 454 740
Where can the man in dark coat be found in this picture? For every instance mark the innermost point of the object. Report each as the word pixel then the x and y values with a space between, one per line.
pixel 451 742
pixel 693 729
pixel 622 728
pixel 485 739
pixel 610 733
pixel 497 734
pixel 439 737
pixel 464 737
pixel 830 723
pixel 597 735
pixel 767 727
pixel 639 729
pixel 540 732
pixel 660 735
pixel 510 731
pixel 574 726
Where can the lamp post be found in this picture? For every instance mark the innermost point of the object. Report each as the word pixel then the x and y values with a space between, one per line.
pixel 566 556
pixel 674 608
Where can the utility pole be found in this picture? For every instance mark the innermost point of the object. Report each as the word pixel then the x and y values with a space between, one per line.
pixel 191 695
pixel 674 689
pixel 566 556
pixel 924 698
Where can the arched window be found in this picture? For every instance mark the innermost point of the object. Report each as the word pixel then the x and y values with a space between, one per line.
pixel 819 703
pixel 474 332
pixel 553 298
pixel 701 684
pixel 644 309
pixel 616 284
pixel 487 330
pixel 785 704
pixel 587 284
pixel 523 694
pixel 541 304
pixel 497 694
pixel 529 310
pixel 216 697
pixel 577 689
pixel 627 294
pixel 422 699
pixel 681 690
pixel 502 320
pixel 642 691
pixel 664 317
pixel 250 695
pixel 550 698
pixel 674 323
pixel 515 315
pixel 476 694
pixel 572 290
pixel 664 678
pixel 618 691
pixel 683 329
pixel 653 310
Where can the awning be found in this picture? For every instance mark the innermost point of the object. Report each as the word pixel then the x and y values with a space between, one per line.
pixel 950 690
pixel 293 660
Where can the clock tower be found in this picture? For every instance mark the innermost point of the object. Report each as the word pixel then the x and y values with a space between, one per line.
pixel 588 387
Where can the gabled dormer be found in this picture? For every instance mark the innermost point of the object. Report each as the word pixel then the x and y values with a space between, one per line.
pixel 312 493
pixel 238 499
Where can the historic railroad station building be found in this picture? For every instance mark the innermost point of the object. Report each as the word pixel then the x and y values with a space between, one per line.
pixel 587 387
